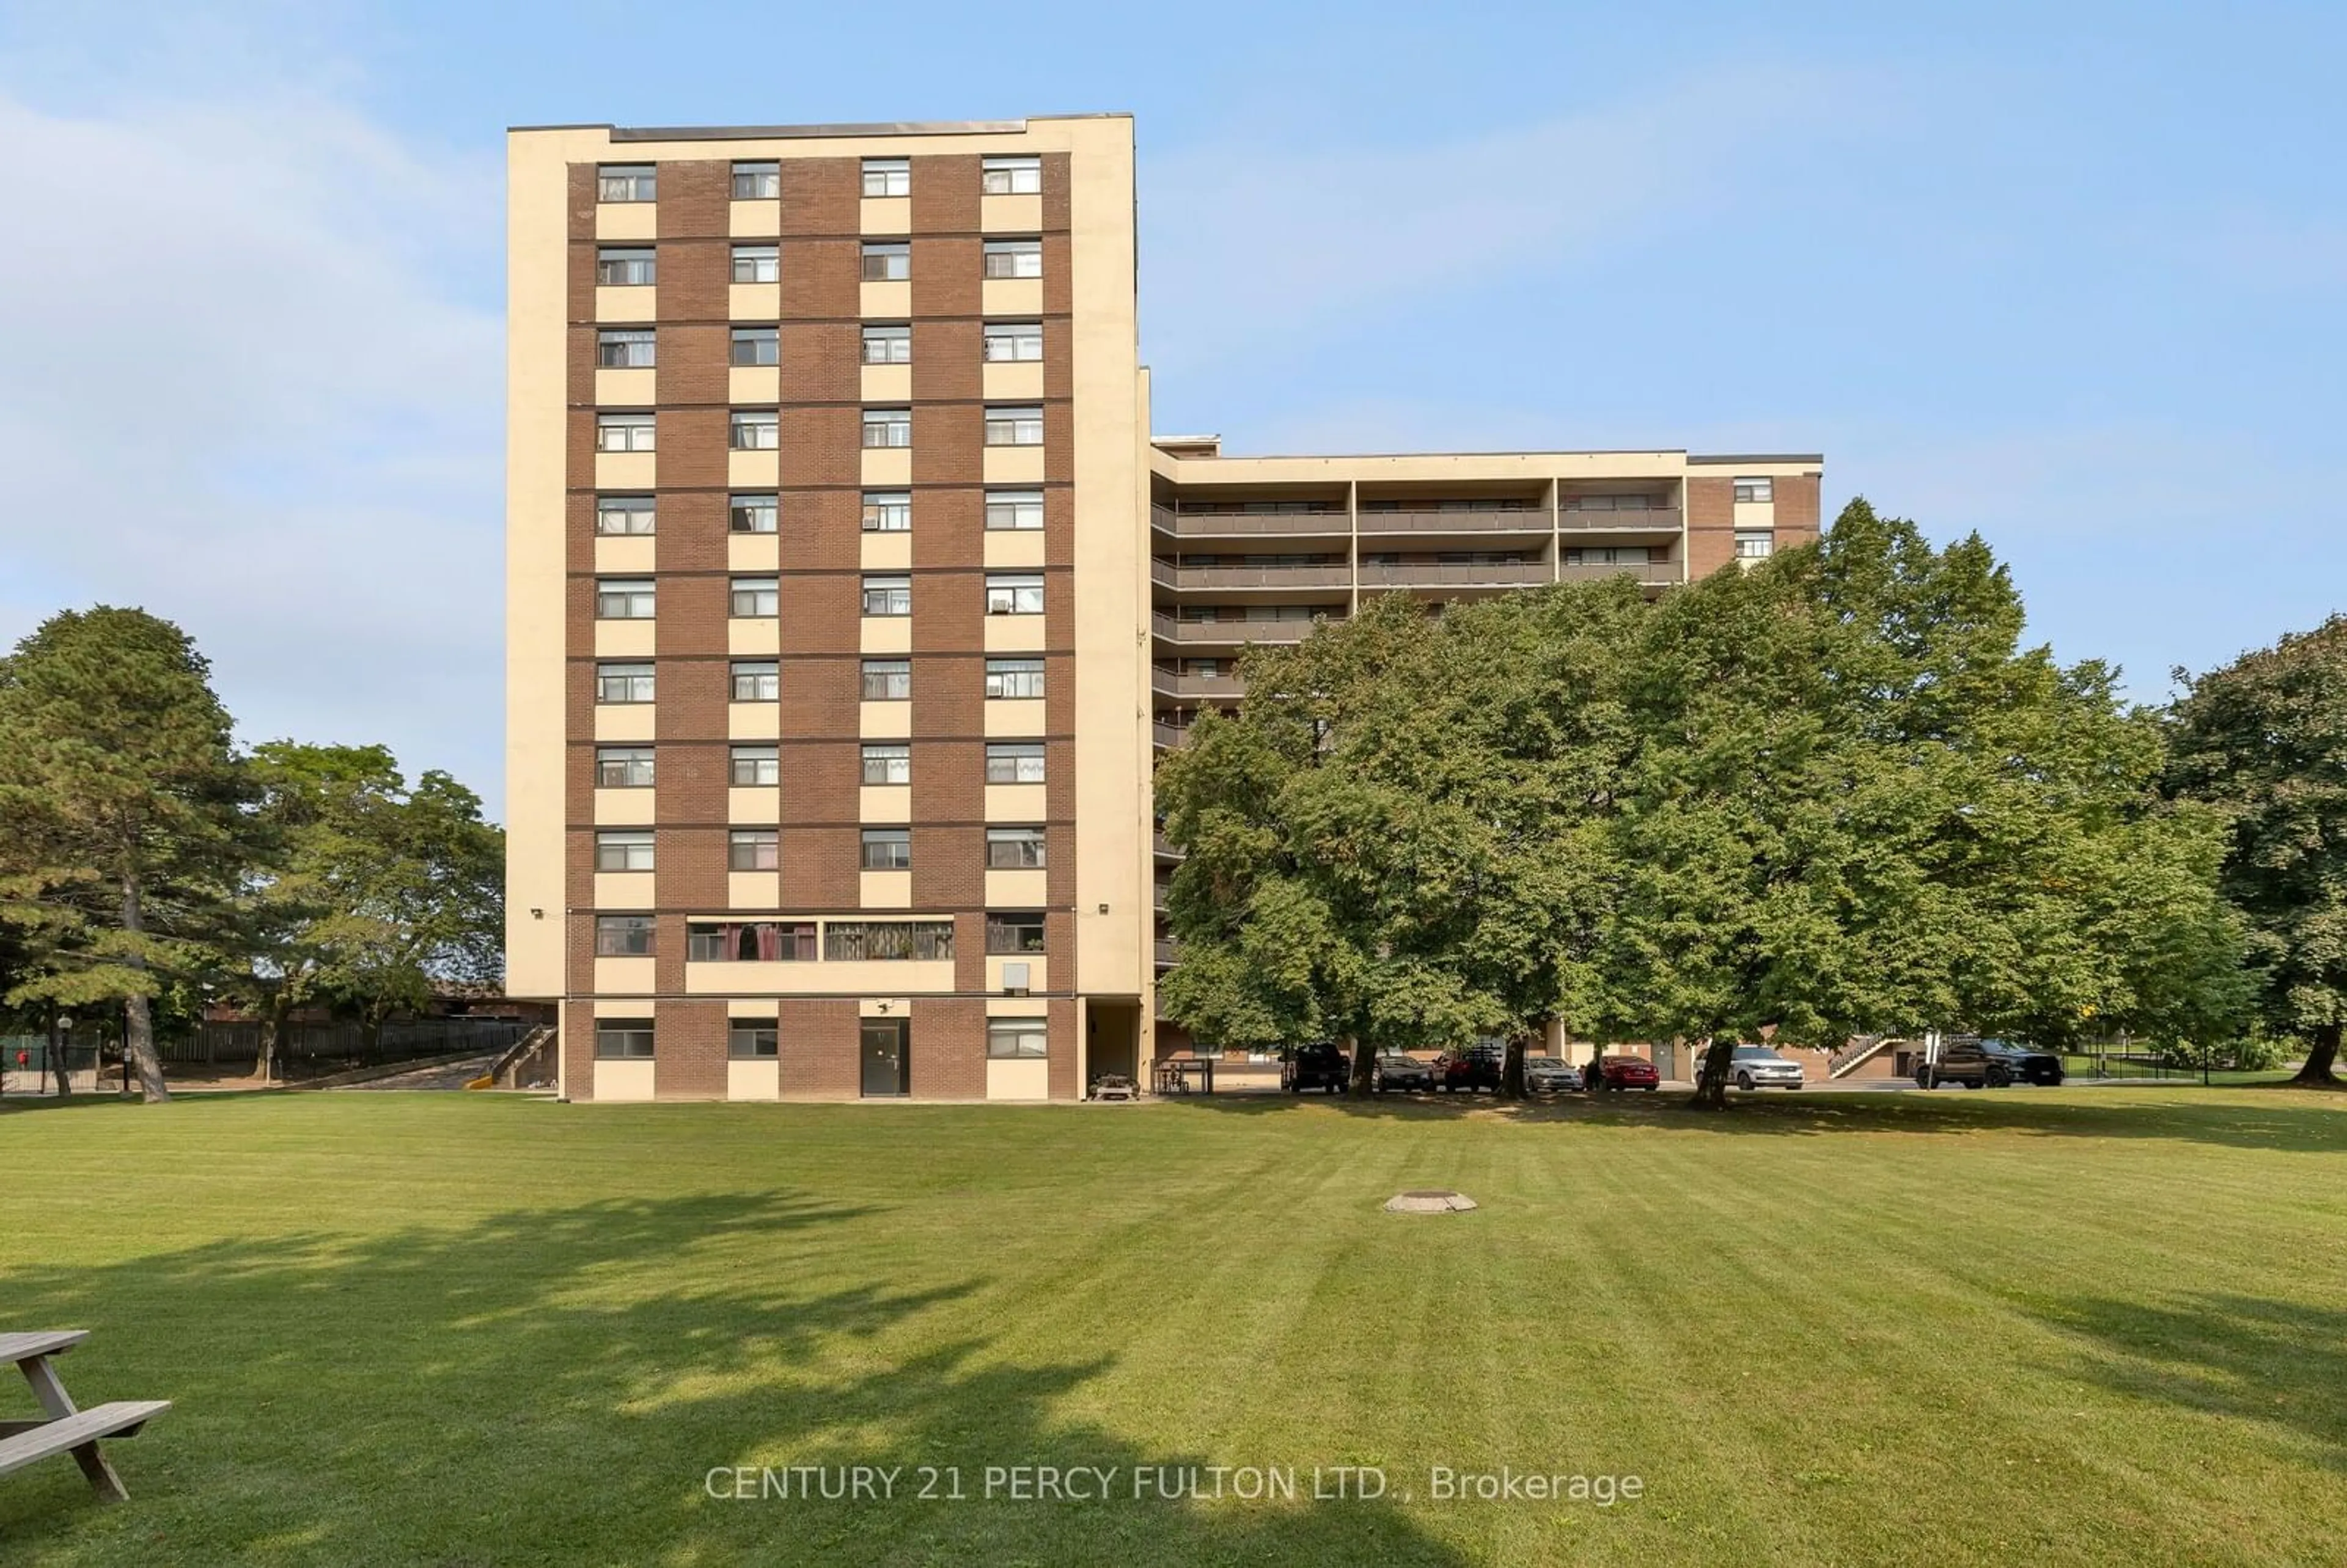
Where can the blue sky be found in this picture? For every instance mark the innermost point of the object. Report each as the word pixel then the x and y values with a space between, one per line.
pixel 2074 276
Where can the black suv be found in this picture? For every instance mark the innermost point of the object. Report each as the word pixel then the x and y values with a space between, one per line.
pixel 1968 1062
pixel 2027 1064
pixel 1320 1065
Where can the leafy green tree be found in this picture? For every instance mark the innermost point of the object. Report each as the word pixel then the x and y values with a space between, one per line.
pixel 2264 740
pixel 124 803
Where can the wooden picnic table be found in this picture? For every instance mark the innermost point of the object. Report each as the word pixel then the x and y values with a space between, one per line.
pixel 63 1428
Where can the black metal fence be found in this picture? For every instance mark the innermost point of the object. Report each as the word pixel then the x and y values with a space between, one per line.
pixel 310 1050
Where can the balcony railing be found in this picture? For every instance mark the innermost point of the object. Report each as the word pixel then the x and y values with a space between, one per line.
pixel 1173 684
pixel 1168 954
pixel 1448 574
pixel 1435 521
pixel 1643 571
pixel 1228 577
pixel 1168 736
pixel 1653 520
pixel 1246 525
pixel 1163 847
pixel 1230 633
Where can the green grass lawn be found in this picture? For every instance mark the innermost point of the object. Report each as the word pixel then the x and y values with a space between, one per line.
pixel 2085 1325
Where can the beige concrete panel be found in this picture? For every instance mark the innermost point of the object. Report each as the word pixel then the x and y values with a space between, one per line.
pixel 623 639
pixel 887 467
pixel 760 1079
pixel 1008 547
pixel 623 304
pixel 879 977
pixel 620 553
pixel 626 470
pixel 752 552
pixel 625 976
pixel 1014 466
pixel 630 808
pixel 746 638
pixel 1756 514
pixel 752 721
pixel 887 214
pixel 1022 381
pixel 886 384
pixel 1015 890
pixel 885 889
pixel 1010 214
pixel 754 220
pixel 618 722
pixel 623 1081
pixel 884 803
pixel 1004 802
pixel 625 389
pixel 887 634
pixel 1038 979
pixel 750 386
pixel 758 890
pixel 1026 1078
pixel 890 302
pixel 754 470
pixel 1014 718
pixel 618 1007
pixel 754 302
pixel 623 889
pixel 1016 296
pixel 883 1007
pixel 749 1007
pixel 884 721
pixel 1015 633
pixel 754 805
pixel 887 552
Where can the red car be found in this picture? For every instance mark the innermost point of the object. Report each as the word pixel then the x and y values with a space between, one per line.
pixel 1629 1072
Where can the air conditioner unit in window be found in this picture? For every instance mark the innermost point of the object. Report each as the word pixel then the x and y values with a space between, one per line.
pixel 1014 979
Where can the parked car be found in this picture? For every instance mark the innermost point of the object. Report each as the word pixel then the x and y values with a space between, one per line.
pixel 2026 1063
pixel 1965 1062
pixel 1550 1075
pixel 1758 1067
pixel 1627 1072
pixel 1398 1071
pixel 1320 1065
pixel 1474 1067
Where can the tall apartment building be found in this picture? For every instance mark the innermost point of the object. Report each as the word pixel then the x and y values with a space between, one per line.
pixel 849 600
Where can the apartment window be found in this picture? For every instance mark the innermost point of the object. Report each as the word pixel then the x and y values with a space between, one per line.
pixel 753 1038
pixel 750 942
pixel 756 681
pixel 1014 762
pixel 1014 935
pixel 888 264
pixel 1630 502
pixel 628 268
pixel 887 427
pixel 889 345
pixel 755 346
pixel 891 764
pixel 629 849
pixel 1755 544
pixel 623 514
pixel 1010 177
pixel 887 595
pixel 751 767
pixel 757 181
pixel 887 177
pixel 887 511
pixel 623 348
pixel 1014 848
pixel 623 599
pixel 624 767
pixel 623 936
pixel 627 182
pixel 1019 509
pixel 887 680
pixel 757 265
pixel 1761 489
pixel 1011 340
pixel 1015 1038
pixel 887 849
pixel 1609 555
pixel 1012 427
pixel 1014 593
pixel 850 940
pixel 623 683
pixel 623 1039
pixel 752 514
pixel 755 430
pixel 1012 259
pixel 752 849
pixel 753 597
pixel 1014 677
pixel 624 433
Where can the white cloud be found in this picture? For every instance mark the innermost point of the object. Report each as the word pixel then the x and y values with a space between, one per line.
pixel 254 385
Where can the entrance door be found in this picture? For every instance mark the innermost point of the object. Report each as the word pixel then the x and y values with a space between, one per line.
pixel 888 1057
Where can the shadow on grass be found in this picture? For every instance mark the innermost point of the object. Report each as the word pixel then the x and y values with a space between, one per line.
pixel 2275 1363
pixel 2208 1116
pixel 554 1385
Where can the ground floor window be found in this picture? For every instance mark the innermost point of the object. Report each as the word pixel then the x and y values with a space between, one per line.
pixel 1014 1037
pixel 623 1039
pixel 752 1039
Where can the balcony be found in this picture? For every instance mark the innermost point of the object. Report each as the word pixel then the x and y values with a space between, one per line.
pixel 1448 574
pixel 1168 954
pixel 1189 578
pixel 1230 633
pixel 1651 521
pixel 1661 571
pixel 1163 847
pixel 1183 524
pixel 1168 736
pixel 1457 520
pixel 1175 685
